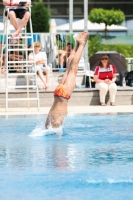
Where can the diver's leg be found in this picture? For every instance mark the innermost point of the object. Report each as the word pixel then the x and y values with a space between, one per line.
pixel 69 63
pixel 72 53
pixel 70 80
pixel 81 40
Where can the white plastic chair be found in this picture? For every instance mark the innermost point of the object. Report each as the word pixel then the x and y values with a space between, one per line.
pixel 51 75
pixel 81 65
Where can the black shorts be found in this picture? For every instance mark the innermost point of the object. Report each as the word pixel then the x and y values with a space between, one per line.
pixel 19 12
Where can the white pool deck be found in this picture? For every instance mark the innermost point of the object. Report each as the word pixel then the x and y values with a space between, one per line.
pixel 71 109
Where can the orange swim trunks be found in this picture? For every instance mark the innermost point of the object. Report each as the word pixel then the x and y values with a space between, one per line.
pixel 60 92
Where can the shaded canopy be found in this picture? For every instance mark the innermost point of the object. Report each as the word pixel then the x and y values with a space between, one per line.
pixel 115 58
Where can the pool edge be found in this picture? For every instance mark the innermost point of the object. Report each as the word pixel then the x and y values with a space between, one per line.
pixel 71 109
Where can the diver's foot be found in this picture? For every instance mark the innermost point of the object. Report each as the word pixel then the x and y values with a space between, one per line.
pixel 82 38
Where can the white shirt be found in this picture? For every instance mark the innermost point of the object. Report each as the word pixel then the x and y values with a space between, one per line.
pixel 39 56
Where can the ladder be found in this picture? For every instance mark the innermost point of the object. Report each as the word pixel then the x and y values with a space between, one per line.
pixel 26 67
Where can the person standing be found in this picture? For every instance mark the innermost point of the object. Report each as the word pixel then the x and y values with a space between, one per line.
pixel 105 77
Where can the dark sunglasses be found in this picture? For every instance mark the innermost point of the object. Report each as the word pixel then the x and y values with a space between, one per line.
pixel 104 58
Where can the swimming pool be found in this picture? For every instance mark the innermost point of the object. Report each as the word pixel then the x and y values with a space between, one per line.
pixel 91 157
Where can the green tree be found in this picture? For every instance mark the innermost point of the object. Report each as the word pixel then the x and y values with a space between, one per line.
pixel 108 17
pixel 94 45
pixel 40 17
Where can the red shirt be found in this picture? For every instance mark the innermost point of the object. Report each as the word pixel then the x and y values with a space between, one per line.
pixel 105 73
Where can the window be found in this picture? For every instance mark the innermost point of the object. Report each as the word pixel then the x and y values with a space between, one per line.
pixel 58 10
pixel 78 10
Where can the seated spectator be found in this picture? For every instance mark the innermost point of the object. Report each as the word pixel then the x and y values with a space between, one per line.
pixel 2 60
pixel 63 55
pixel 3 70
pixel 105 77
pixel 30 49
pixel 14 13
pixel 41 64
pixel 15 56
pixel 12 56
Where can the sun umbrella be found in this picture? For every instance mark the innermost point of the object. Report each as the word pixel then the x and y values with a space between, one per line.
pixel 115 58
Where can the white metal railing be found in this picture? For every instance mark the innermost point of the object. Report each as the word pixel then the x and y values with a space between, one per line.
pixel 51 43
pixel 17 61
pixel 129 64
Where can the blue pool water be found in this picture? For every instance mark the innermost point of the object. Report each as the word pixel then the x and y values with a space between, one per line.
pixel 89 158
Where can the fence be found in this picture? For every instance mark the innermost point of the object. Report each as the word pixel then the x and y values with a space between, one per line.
pixel 54 45
pixel 129 64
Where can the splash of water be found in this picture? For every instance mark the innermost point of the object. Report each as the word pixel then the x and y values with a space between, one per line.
pixel 40 131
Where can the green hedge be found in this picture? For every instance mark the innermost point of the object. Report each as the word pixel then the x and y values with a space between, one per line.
pixel 95 45
pixel 40 17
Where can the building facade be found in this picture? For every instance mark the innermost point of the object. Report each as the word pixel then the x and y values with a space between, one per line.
pixel 60 8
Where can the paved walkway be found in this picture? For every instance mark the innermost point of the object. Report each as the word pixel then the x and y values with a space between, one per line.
pixel 71 109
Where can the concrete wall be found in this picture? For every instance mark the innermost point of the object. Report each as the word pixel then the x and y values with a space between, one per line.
pixel 80 97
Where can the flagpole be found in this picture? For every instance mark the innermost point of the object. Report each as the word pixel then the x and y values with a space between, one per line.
pixel 70 16
pixel 86 29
